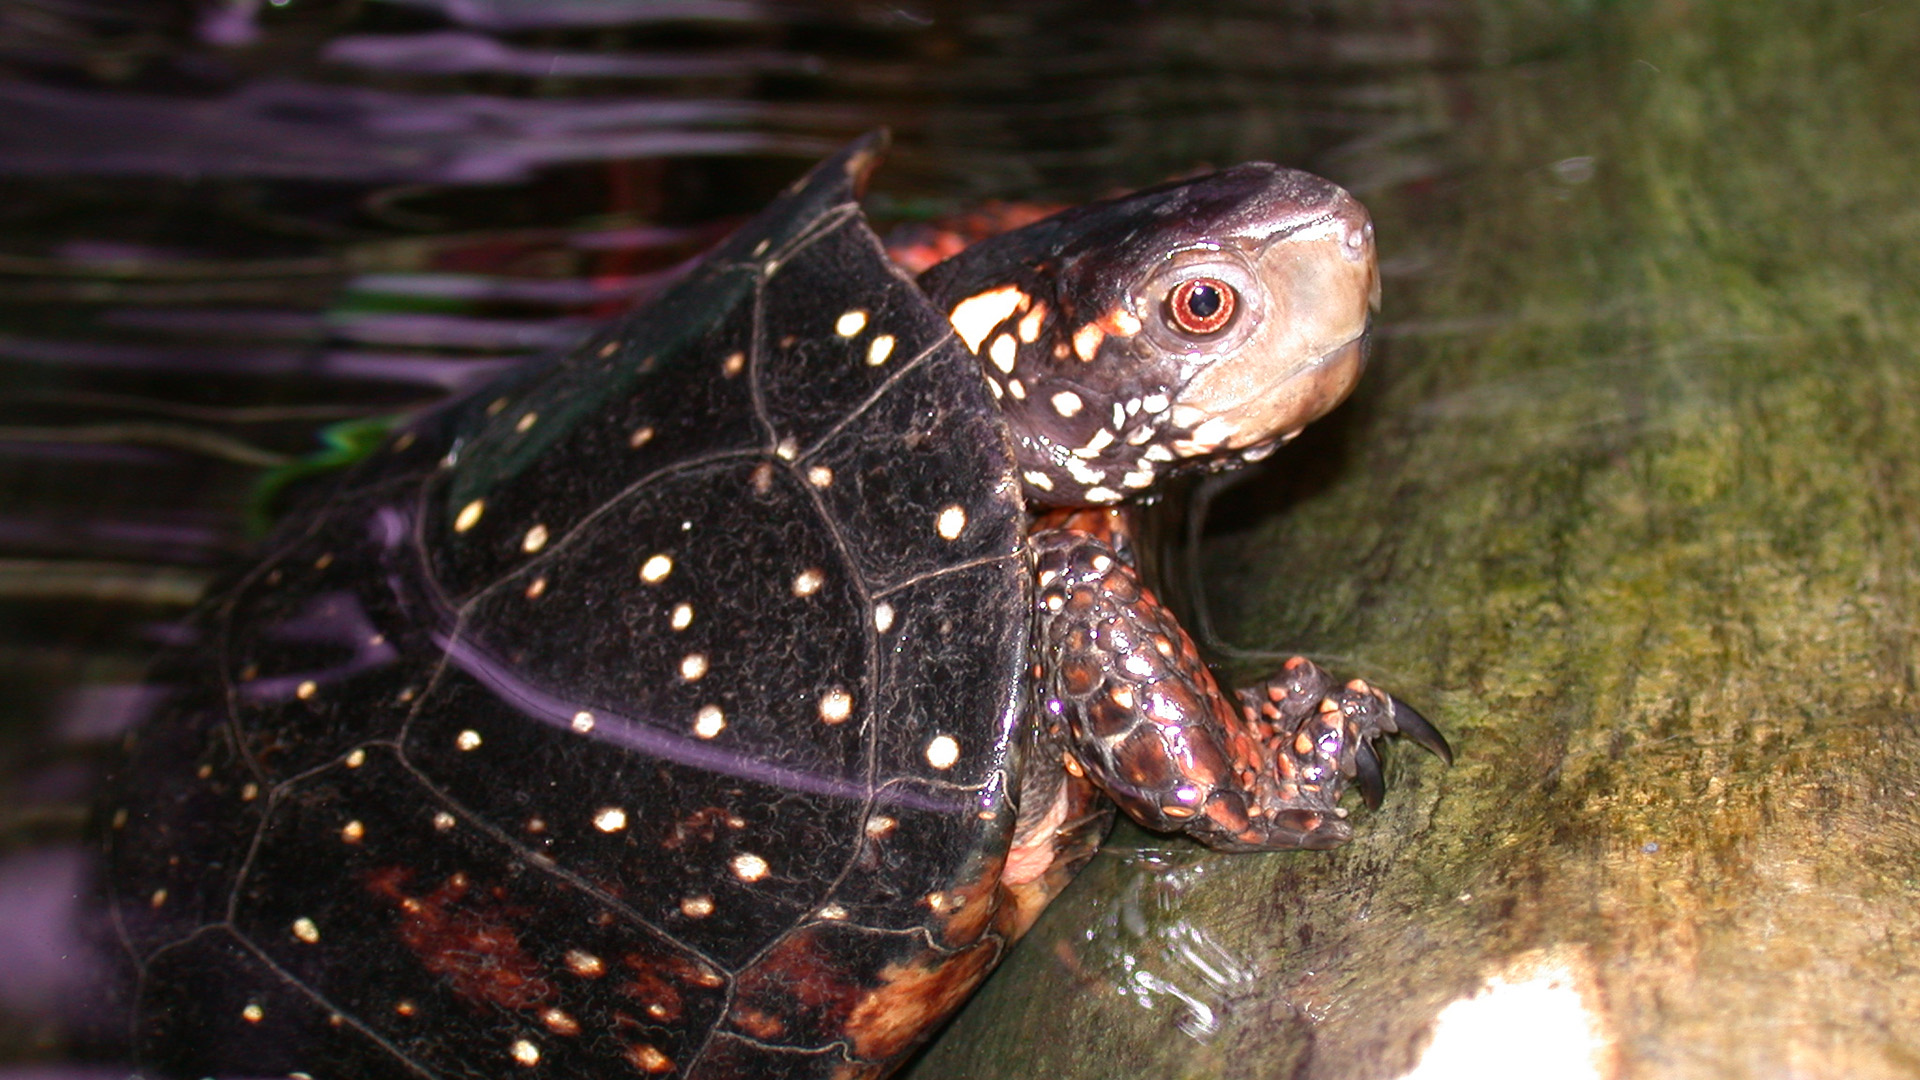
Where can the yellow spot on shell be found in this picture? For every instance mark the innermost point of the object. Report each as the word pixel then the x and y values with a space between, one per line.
pixel 836 705
pixel 469 515
pixel 951 522
pixel 749 867
pixel 880 349
pixel 709 721
pixel 306 931
pixel 610 819
pixel 656 568
pixel 850 323
pixel 943 752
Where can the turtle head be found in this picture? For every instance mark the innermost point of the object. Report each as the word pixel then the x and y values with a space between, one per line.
pixel 1193 325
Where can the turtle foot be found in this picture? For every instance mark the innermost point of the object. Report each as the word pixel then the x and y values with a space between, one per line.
pixel 1322 735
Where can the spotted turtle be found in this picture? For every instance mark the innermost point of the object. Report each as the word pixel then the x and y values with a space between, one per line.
pixel 722 698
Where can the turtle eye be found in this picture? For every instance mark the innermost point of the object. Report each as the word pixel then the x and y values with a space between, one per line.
pixel 1201 305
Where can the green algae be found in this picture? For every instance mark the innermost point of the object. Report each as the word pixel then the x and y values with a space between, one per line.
pixel 1631 508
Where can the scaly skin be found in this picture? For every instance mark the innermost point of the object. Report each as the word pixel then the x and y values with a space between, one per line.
pixel 1125 699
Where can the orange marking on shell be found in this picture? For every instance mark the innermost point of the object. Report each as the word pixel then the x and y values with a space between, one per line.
pixel 913 997
pixel 469 941
pixel 648 1059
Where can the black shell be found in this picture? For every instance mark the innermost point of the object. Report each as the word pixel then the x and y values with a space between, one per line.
pixel 442 789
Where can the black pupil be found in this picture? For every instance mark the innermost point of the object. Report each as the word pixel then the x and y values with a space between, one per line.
pixel 1203 301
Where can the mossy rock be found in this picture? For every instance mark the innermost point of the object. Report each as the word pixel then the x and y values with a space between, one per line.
pixel 1631 509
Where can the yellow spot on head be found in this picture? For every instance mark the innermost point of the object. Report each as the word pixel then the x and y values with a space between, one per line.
pixel 306 931
pixel 880 349
pixel 1032 322
pixel 524 1052
pixel 697 907
pixel 808 581
pixel 733 364
pixel 469 515
pixel 1003 352
pixel 1120 323
pixel 976 316
pixel 682 616
pixel 1086 341
pixel 709 721
pixel 883 617
pixel 656 568
pixel 749 867
pixel 468 740
pixel 583 721
pixel 693 666
pixel 610 819
pixel 536 539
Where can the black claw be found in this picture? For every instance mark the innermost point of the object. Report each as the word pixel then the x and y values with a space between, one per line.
pixel 1415 727
pixel 1366 775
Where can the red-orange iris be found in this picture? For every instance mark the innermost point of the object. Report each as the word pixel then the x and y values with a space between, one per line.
pixel 1201 305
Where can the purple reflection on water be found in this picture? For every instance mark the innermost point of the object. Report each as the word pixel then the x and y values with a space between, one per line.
pixel 478 287
pixel 538 704
pixel 313 131
pixel 520 15
pixel 412 368
pixel 73 536
pixel 48 961
pixel 456 52
pixel 102 713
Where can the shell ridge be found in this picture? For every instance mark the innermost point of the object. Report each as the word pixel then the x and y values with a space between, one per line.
pixel 539 863
pixel 607 506
pixel 879 392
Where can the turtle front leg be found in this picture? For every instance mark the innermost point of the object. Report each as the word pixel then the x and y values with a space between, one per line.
pixel 1124 691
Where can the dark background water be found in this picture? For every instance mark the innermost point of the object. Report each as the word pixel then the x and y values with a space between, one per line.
pixel 227 225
